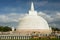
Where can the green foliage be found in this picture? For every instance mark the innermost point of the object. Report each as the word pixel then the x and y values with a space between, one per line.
pixel 44 39
pixel 55 29
pixel 5 28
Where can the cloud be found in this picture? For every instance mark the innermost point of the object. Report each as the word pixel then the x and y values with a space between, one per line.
pixel 57 16
pixel 3 18
pixel 12 17
pixel 49 17
pixel 46 16
pixel 53 20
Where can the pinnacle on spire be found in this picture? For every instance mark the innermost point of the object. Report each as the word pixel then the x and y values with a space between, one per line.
pixel 32 6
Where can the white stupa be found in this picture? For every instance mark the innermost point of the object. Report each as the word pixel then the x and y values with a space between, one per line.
pixel 33 23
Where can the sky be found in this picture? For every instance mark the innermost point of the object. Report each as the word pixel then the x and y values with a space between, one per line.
pixel 13 10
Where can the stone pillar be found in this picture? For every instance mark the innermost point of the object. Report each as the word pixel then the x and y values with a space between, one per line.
pixel 10 37
pixel 15 37
pixel 20 37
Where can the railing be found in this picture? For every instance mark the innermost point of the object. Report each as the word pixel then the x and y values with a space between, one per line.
pixel 14 37
pixel 26 37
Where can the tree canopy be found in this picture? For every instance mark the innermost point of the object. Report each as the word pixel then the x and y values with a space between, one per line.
pixel 55 29
pixel 5 28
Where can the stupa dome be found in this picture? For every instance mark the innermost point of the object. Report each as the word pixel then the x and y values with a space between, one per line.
pixel 33 21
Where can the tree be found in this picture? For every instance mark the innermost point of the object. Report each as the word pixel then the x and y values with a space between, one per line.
pixel 1 28
pixel 5 28
pixel 55 29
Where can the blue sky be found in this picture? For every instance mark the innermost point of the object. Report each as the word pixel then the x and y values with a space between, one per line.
pixel 8 6
pixel 12 10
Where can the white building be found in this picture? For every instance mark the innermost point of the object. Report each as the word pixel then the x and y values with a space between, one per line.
pixel 33 23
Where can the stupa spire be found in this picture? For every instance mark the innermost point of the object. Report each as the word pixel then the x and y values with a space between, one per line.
pixel 32 11
pixel 32 6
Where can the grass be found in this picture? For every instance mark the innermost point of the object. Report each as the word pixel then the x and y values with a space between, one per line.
pixel 44 39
